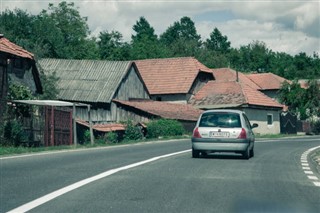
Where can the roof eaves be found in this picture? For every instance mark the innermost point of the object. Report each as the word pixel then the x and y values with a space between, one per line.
pixel 140 77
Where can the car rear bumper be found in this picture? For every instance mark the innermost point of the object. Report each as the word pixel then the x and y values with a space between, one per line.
pixel 222 146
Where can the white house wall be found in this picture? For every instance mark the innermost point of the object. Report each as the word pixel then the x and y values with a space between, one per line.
pixel 260 116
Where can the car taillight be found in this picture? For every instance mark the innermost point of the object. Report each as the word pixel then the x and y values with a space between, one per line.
pixel 243 134
pixel 196 133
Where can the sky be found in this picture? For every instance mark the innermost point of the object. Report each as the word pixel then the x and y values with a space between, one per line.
pixel 290 26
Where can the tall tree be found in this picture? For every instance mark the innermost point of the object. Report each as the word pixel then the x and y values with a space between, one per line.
pixel 218 42
pixel 145 43
pixel 182 38
pixel 111 46
pixel 17 26
pixel 254 57
pixel 72 29
pixel 303 102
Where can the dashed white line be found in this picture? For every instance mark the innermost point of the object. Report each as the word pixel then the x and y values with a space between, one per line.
pixel 35 203
pixel 313 178
pixel 306 168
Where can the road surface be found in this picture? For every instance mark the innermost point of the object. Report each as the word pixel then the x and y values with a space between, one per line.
pixel 144 178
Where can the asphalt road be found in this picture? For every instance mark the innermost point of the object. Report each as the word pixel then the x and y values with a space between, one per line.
pixel 272 181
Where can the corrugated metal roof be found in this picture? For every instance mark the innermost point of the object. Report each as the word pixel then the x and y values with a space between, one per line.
pixel 86 80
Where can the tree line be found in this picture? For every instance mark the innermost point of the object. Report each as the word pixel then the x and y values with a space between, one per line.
pixel 61 32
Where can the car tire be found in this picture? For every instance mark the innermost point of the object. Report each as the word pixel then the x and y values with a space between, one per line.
pixel 246 154
pixel 252 153
pixel 195 153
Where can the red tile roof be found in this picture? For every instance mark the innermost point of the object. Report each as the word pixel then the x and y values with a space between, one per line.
pixel 170 75
pixel 231 93
pixel 8 47
pixel 267 81
pixel 226 74
pixel 164 109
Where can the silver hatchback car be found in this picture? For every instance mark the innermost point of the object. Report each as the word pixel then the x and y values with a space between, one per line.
pixel 223 131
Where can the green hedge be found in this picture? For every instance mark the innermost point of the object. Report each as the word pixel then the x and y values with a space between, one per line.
pixel 164 127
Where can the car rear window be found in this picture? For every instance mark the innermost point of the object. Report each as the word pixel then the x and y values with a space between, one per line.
pixel 220 119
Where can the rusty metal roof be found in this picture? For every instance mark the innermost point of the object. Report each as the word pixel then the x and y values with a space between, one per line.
pixel 104 127
pixel 164 109
pixel 86 80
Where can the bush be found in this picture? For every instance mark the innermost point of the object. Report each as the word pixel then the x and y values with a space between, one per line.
pixel 14 134
pixel 132 132
pixel 164 127
pixel 316 127
pixel 112 137
pixel 86 136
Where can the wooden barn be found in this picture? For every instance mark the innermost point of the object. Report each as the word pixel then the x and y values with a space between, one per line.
pixel 96 83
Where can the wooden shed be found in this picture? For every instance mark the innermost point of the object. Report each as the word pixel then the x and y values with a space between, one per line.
pixel 18 65
pixel 96 83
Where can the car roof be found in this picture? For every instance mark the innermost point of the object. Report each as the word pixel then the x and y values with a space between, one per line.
pixel 224 110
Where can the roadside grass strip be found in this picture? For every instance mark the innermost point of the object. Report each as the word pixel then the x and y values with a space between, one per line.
pixel 306 168
pixel 44 199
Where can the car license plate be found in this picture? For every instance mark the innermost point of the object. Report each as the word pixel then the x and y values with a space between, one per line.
pixel 219 134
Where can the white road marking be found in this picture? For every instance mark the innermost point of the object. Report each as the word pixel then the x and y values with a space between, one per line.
pixel 33 204
pixel 313 178
pixel 306 167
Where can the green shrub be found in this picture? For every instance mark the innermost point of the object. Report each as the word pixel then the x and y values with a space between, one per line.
pixel 164 127
pixel 14 134
pixel 86 136
pixel 132 132
pixel 112 137
pixel 316 127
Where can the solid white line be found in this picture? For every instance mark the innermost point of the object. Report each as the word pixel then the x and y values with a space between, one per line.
pixel 33 204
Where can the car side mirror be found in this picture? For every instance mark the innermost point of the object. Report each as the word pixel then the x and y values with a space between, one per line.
pixel 254 125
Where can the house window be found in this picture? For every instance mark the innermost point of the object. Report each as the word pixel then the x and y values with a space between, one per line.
pixel 270 119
